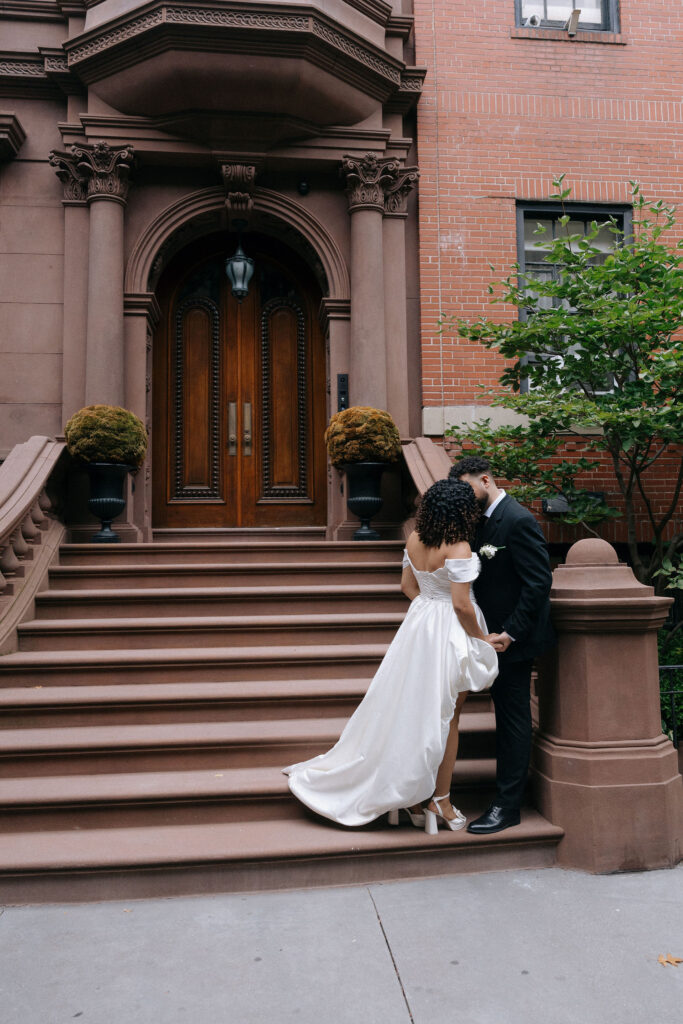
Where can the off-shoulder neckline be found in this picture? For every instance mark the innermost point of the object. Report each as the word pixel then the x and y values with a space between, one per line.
pixel 430 572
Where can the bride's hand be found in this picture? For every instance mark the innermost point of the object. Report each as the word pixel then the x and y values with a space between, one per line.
pixel 501 641
pixel 495 641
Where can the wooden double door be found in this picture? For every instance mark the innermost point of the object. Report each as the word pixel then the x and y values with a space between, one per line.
pixel 238 392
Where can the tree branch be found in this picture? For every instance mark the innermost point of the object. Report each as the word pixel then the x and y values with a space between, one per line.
pixel 659 452
pixel 676 495
pixel 632 540
pixel 648 506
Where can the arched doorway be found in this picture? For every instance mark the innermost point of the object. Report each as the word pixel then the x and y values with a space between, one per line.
pixel 238 392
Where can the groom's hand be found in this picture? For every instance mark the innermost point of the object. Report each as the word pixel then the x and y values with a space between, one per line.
pixel 494 640
pixel 501 641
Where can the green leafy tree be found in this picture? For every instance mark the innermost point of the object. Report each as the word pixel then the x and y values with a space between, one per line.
pixel 593 357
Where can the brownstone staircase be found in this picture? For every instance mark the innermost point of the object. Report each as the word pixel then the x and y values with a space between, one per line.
pixel 160 689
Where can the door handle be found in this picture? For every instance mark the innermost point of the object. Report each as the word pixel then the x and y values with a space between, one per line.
pixel 246 427
pixel 232 428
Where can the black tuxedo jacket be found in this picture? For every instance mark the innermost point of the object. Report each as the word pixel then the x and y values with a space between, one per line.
pixel 514 586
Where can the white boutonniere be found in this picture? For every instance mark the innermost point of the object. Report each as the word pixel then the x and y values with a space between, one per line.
pixel 490 550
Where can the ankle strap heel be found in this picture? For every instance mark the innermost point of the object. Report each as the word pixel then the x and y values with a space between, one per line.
pixel 433 818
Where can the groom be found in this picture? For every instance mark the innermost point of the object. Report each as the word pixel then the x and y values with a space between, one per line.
pixel 513 593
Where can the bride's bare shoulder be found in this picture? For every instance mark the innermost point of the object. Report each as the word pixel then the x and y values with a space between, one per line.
pixel 461 549
pixel 414 543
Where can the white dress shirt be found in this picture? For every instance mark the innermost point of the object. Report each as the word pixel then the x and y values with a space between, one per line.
pixel 494 504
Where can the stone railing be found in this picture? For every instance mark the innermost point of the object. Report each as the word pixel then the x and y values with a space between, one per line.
pixel 30 531
pixel 426 463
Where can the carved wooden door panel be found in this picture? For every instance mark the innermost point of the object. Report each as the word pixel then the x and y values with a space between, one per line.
pixel 239 394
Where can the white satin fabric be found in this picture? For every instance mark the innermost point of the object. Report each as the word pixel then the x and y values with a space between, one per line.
pixel 391 747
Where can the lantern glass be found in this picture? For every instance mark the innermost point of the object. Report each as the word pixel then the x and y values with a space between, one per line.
pixel 239 269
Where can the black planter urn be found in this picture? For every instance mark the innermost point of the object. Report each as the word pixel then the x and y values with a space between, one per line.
pixel 364 481
pixel 107 482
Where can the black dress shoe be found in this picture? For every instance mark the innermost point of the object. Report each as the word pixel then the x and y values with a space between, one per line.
pixel 494 820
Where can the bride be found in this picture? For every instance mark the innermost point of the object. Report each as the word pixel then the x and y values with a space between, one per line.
pixel 399 747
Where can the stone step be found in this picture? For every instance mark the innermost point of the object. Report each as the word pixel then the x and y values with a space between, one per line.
pixel 140 703
pixel 178 664
pixel 106 748
pixel 253 535
pixel 235 552
pixel 159 601
pixel 162 688
pixel 59 706
pixel 169 860
pixel 201 574
pixel 204 631
pixel 219 794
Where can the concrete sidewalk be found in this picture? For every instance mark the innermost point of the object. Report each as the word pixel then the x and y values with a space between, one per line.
pixel 514 947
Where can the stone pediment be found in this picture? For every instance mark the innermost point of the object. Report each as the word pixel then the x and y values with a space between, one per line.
pixel 169 58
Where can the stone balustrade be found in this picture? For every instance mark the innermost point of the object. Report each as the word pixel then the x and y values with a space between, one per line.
pixel 25 506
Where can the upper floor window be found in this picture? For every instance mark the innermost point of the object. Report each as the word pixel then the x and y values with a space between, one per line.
pixel 538 224
pixel 531 242
pixel 595 16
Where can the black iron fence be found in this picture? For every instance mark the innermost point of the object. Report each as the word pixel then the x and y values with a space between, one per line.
pixel 671 690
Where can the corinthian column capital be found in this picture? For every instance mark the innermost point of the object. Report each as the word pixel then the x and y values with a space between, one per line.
pixel 367 180
pixel 396 195
pixel 105 169
pixel 66 169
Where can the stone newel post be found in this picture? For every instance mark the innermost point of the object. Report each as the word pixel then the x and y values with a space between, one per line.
pixel 603 769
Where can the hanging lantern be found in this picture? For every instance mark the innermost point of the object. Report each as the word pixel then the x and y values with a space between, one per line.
pixel 240 270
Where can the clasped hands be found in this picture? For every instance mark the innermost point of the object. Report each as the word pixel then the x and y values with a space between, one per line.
pixel 499 641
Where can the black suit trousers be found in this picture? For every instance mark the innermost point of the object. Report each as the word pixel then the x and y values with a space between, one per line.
pixel 511 693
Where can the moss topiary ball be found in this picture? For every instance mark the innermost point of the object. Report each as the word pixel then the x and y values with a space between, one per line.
pixel 106 433
pixel 362 434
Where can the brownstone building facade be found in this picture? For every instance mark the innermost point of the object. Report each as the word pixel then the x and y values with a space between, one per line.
pixel 142 141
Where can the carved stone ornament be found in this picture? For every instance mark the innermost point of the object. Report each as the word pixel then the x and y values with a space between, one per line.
pixel 396 196
pixel 15 67
pixel 105 169
pixel 66 169
pixel 196 14
pixel 239 181
pixel 368 179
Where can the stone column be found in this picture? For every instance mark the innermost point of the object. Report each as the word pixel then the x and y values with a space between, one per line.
pixel 366 181
pixel 141 313
pixel 603 770
pixel 106 172
pixel 395 314
pixel 335 321
pixel 75 282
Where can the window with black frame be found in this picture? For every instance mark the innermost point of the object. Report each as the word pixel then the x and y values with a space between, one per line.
pixel 532 241
pixel 595 16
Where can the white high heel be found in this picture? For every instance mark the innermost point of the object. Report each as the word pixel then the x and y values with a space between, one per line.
pixel 418 820
pixel 432 818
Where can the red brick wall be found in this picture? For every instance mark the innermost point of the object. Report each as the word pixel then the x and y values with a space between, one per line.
pixel 505 110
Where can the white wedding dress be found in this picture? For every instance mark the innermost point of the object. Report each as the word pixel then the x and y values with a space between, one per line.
pixel 391 747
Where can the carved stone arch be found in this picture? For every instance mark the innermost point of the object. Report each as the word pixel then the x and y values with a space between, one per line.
pixel 204 211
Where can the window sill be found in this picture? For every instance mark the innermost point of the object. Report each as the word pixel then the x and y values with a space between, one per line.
pixel 560 35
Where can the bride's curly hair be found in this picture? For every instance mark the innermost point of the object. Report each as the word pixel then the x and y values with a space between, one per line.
pixel 448 513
